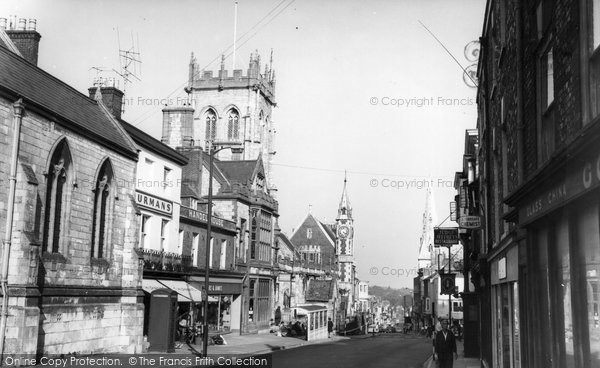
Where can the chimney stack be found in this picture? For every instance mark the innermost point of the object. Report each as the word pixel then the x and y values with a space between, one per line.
pixel 112 98
pixel 178 126
pixel 26 38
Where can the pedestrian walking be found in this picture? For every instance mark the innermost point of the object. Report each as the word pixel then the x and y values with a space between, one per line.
pixel 329 327
pixel 444 347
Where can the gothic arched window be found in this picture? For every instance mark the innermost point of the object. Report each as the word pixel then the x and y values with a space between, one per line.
pixel 211 125
pixel 103 194
pixel 57 198
pixel 233 125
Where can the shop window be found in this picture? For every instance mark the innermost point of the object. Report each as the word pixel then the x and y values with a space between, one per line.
pixel 102 215
pixel 516 332
pixel 588 242
pixel 58 195
pixel 251 292
pixel 563 273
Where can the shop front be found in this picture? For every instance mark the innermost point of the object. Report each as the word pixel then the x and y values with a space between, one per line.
pixel 189 299
pixel 224 302
pixel 506 339
pixel 559 285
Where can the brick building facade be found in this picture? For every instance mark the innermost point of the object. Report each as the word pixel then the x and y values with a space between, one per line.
pixel 539 184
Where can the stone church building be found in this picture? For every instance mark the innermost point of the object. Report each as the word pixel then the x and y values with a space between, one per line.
pixel 70 272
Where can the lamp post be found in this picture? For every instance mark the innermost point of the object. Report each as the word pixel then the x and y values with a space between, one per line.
pixel 213 148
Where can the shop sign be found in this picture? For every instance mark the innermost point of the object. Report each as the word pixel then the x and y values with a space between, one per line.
pixel 448 283
pixel 579 180
pixel 445 236
pixel 200 216
pixel 215 288
pixel 502 268
pixel 153 203
pixel 469 222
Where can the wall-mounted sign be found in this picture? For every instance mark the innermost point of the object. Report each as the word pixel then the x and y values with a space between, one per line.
pixel 579 179
pixel 153 203
pixel 445 236
pixel 469 222
pixel 502 268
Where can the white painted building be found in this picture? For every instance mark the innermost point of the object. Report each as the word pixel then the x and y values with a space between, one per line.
pixel 157 193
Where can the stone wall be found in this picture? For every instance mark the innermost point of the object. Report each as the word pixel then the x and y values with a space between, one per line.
pixel 68 302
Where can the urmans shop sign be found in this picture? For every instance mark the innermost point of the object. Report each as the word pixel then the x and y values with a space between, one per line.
pixel 153 203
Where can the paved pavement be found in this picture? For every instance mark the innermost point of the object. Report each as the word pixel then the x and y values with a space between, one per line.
pixel 461 362
pixel 262 343
pixel 253 344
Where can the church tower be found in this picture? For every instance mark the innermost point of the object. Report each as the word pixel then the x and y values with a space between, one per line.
pixel 344 245
pixel 236 107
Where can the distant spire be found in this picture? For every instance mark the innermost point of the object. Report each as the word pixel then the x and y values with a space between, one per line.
pixel 310 208
pixel 345 209
pixel 427 255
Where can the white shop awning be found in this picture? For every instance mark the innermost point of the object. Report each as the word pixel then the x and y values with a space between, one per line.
pixel 185 291
pixel 150 285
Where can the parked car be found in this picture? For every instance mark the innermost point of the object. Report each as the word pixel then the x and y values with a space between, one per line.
pixel 390 329
pixel 373 328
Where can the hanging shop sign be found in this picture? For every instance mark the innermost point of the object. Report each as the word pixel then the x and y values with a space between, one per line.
pixel 445 236
pixel 469 222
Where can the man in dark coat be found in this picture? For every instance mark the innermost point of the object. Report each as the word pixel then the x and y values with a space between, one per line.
pixel 329 327
pixel 444 347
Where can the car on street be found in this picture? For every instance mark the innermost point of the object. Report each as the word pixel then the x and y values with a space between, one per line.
pixel 373 328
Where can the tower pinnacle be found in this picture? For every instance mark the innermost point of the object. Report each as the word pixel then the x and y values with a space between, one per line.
pixel 345 209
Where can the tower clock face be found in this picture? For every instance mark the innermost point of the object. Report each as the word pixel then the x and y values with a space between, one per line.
pixel 343 231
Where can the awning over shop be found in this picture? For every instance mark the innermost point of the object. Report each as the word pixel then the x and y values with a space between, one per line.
pixel 185 291
pixel 150 285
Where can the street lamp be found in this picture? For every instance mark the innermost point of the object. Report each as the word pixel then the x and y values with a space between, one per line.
pixel 212 148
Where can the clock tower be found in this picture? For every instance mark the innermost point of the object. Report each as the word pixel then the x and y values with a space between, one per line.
pixel 344 248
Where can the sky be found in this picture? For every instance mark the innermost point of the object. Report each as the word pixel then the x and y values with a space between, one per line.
pixel 361 87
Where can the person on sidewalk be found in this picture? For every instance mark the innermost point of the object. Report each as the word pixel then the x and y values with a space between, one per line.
pixel 444 347
pixel 329 327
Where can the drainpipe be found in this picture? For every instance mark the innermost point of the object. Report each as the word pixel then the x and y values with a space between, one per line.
pixel 18 108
